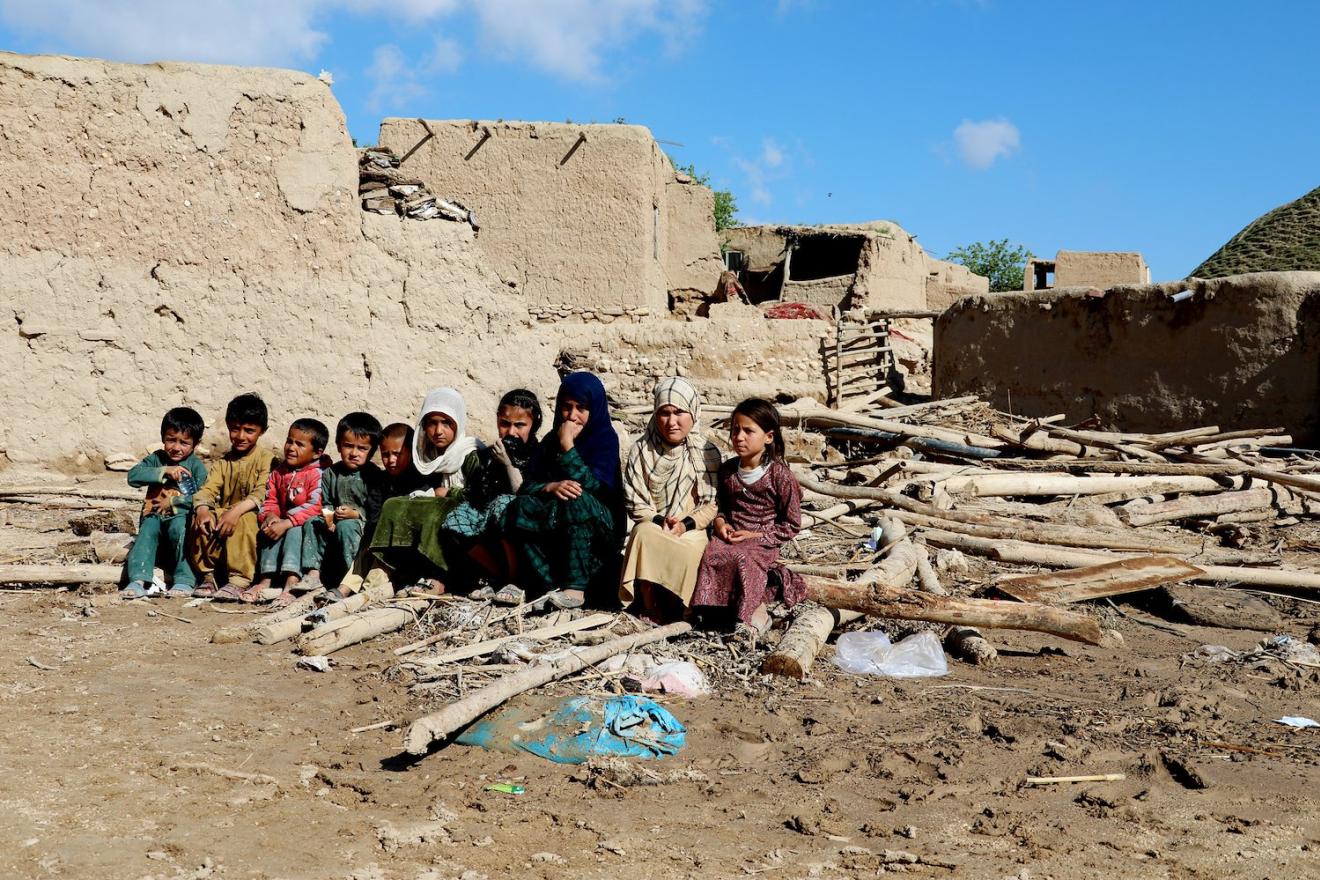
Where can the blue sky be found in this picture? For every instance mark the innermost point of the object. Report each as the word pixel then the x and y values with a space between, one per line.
pixel 1155 126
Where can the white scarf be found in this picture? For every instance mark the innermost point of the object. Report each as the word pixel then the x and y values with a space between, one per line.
pixel 429 460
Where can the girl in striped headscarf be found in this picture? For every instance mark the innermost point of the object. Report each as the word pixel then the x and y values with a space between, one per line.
pixel 669 489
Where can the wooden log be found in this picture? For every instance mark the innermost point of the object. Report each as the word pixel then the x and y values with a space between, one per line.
pixel 1010 485
pixel 338 634
pixel 1197 507
pixel 242 632
pixel 489 646
pixel 72 491
pixel 799 414
pixel 273 633
pixel 1059 557
pixel 881 600
pixel 1169 468
pixel 928 580
pixel 1098 581
pixel 60 574
pixel 967 644
pixel 797 650
pixel 1040 442
pixel 457 715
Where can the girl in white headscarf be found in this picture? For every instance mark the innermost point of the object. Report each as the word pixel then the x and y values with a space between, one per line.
pixel 669 490
pixel 408 537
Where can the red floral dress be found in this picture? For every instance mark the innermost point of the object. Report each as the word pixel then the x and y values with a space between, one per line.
pixel 746 575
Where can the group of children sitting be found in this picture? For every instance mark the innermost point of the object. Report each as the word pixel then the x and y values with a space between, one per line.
pixel 545 515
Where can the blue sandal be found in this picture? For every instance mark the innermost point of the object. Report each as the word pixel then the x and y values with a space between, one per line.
pixel 135 590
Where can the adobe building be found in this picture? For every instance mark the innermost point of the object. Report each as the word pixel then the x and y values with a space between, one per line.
pixel 587 222
pixel 875 265
pixel 1100 269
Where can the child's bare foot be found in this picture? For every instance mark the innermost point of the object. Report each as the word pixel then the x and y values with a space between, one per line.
pixel 253 593
pixel 310 581
pixel 760 620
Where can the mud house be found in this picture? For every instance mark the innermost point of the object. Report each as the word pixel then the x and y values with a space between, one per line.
pixel 1086 269
pixel 586 221
pixel 870 265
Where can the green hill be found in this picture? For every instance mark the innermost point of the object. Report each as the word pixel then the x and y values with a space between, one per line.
pixel 1286 239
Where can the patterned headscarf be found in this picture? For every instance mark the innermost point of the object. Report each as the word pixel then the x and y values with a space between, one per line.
pixel 666 476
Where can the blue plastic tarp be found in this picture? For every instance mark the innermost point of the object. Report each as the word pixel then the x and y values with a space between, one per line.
pixel 580 727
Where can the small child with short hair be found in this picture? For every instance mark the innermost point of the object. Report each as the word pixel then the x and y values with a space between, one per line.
pixel 171 475
pixel 346 488
pixel 287 544
pixel 224 531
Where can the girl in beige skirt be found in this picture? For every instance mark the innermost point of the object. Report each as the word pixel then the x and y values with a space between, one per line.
pixel 669 490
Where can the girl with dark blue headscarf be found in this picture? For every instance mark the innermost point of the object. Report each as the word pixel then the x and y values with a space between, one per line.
pixel 567 515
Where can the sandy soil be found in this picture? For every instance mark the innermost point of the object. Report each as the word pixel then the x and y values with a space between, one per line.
pixel 122 760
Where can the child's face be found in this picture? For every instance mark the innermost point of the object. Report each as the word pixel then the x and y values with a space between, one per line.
pixel 354 450
pixel 572 411
pixel 298 448
pixel 673 423
pixel 747 438
pixel 440 429
pixel 514 421
pixel 395 455
pixel 178 445
pixel 243 436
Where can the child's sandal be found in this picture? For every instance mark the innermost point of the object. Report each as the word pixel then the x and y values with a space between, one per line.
pixel 252 594
pixel 135 590
pixel 228 593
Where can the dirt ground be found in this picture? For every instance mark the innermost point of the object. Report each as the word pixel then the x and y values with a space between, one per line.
pixel 126 733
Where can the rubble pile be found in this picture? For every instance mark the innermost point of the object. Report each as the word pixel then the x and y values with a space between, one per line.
pixel 385 189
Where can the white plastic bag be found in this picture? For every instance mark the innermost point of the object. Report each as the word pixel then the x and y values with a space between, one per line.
pixel 681 677
pixel 871 653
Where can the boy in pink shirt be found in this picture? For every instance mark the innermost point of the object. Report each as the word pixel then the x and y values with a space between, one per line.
pixel 287 545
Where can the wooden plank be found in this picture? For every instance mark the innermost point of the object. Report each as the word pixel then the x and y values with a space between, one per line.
pixel 1098 581
pixel 467 652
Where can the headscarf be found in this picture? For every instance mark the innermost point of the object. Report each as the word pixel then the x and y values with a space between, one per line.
pixel 429 460
pixel 598 445
pixel 665 476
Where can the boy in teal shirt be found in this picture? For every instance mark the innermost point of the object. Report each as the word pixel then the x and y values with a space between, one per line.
pixel 171 475
pixel 346 488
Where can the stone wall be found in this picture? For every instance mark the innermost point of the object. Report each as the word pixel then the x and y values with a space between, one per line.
pixel 1241 352
pixel 588 217
pixel 175 234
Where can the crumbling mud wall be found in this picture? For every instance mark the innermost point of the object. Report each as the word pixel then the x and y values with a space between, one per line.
pixel 173 234
pixel 875 265
pixel 1240 352
pixel 575 217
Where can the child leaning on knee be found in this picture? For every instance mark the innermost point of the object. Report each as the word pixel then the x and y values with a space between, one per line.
pixel 287 544
pixel 224 529
pixel 171 476
pixel 346 490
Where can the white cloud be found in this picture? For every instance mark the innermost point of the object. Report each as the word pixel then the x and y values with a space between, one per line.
pixel 220 31
pixel 393 81
pixel 772 155
pixel 770 167
pixel 572 39
pixel 981 144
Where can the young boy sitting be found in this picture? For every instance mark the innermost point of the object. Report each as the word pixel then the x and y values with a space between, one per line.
pixel 346 488
pixel 171 475
pixel 224 532
pixel 287 544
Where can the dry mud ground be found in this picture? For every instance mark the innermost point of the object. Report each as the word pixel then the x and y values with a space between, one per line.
pixel 111 755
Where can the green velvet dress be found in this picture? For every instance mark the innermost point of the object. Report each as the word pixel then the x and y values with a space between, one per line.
pixel 408 537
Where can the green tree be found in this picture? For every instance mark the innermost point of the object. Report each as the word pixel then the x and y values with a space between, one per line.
pixel 726 206
pixel 996 260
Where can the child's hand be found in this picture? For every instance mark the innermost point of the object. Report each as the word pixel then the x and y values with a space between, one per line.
pixel 568 432
pixel 723 530
pixel 564 490
pixel 499 453
pixel 228 522
pixel 176 473
pixel 329 517
pixel 343 511
pixel 275 528
pixel 441 491
pixel 738 536
pixel 204 520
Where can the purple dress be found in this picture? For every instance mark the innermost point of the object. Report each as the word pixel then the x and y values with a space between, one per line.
pixel 739 575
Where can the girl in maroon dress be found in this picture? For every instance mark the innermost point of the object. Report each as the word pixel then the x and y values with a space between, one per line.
pixel 759 503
